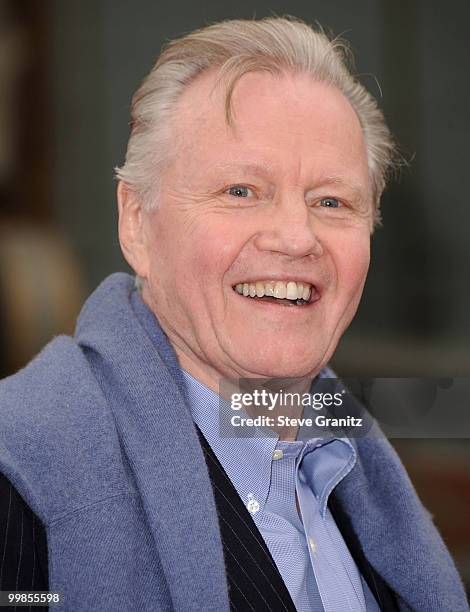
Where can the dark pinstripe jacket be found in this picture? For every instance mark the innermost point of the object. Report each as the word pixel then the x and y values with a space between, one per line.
pixel 23 545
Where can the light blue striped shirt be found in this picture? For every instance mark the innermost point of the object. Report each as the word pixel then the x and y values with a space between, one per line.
pixel 270 475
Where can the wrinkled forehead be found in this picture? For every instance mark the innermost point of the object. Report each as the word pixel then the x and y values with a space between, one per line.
pixel 295 97
pixel 282 121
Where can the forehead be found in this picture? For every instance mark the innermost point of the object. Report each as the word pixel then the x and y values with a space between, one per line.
pixel 288 123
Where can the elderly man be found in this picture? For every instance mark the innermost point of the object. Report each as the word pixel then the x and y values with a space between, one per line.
pixel 247 199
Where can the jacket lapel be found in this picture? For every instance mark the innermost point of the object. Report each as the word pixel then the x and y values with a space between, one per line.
pixel 254 580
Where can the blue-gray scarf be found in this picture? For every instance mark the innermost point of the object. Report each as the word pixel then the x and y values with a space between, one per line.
pixel 97 437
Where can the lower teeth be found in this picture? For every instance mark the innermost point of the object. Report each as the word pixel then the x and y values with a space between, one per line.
pixel 299 302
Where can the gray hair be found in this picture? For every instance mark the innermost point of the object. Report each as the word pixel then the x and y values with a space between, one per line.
pixel 237 47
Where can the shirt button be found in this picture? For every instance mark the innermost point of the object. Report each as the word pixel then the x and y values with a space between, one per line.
pixel 313 546
pixel 278 454
pixel 252 505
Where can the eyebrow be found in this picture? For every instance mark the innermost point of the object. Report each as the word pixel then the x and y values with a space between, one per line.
pixel 253 167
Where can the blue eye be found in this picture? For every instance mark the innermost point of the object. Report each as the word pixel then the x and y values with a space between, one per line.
pixel 329 202
pixel 239 191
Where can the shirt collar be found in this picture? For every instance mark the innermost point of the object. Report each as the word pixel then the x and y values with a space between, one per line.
pixel 247 460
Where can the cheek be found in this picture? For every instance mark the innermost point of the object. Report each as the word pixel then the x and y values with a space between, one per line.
pixel 353 263
pixel 214 246
pixel 360 266
pixel 195 263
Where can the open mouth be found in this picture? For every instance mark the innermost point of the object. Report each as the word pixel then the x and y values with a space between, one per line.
pixel 283 293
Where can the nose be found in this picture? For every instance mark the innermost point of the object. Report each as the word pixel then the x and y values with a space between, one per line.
pixel 291 229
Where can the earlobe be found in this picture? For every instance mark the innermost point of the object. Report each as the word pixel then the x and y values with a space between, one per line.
pixel 131 229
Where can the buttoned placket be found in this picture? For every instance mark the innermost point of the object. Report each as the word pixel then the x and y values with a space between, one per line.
pixel 302 583
pixel 320 531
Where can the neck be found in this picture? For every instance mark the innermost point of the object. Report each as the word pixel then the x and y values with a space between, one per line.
pixel 269 395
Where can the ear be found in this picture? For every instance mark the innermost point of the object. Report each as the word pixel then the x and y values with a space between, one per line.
pixel 131 229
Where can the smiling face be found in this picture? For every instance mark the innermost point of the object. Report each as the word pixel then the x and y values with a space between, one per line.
pixel 284 195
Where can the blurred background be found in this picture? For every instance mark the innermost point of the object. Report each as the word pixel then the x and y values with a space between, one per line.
pixel 67 73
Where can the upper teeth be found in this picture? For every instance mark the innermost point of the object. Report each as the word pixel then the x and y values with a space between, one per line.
pixel 279 289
